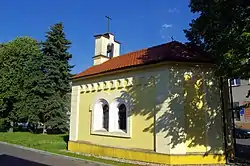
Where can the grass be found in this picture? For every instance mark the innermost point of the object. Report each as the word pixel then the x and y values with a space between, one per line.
pixel 50 143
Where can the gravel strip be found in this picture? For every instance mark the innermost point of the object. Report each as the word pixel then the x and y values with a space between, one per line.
pixel 118 159
pixel 142 163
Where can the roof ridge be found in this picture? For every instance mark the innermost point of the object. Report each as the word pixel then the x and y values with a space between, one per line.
pixel 122 55
pixel 155 46
pixel 171 51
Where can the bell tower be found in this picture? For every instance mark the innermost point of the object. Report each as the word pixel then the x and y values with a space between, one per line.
pixel 106 47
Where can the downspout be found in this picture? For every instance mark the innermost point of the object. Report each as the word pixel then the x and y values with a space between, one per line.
pixel 224 118
pixel 231 104
pixel 154 130
pixel 155 112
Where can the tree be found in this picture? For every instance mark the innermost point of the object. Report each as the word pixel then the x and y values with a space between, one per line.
pixel 223 31
pixel 56 82
pixel 16 69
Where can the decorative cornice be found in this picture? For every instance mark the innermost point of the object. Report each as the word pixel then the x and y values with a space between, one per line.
pixel 118 84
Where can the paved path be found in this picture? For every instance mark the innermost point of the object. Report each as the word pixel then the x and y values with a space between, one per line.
pixel 11 155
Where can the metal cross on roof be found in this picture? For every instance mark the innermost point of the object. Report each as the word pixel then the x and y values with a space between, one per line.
pixel 108 18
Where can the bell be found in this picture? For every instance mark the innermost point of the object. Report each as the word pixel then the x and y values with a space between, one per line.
pixel 109 47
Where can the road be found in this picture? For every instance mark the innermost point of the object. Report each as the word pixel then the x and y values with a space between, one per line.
pixel 16 156
pixel 243 148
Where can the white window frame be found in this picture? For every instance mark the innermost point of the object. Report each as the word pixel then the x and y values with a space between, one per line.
pixel 114 117
pixel 97 115
pixel 234 82
pixel 113 129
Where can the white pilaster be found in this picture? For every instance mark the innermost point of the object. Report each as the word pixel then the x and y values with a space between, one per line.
pixel 74 115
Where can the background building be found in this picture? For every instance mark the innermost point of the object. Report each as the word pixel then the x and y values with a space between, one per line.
pixel 240 90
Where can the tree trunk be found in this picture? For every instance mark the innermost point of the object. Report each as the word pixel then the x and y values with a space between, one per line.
pixel 11 126
pixel 44 129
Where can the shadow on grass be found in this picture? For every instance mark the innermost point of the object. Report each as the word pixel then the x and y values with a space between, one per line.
pixel 66 139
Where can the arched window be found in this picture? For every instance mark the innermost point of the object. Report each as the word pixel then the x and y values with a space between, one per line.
pixel 114 118
pixel 122 120
pixel 105 121
pixel 110 50
pixel 101 115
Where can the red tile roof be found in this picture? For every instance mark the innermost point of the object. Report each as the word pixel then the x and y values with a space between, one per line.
pixel 172 51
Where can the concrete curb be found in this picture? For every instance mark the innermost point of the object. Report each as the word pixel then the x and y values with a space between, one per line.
pixel 54 154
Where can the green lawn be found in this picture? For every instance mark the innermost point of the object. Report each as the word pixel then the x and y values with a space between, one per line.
pixel 51 143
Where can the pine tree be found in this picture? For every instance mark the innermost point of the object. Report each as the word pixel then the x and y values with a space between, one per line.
pixel 34 94
pixel 56 82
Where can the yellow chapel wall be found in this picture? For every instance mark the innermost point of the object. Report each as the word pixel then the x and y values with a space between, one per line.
pixel 142 114
pixel 175 133
pixel 188 111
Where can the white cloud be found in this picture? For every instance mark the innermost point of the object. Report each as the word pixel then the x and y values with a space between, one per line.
pixel 173 10
pixel 167 26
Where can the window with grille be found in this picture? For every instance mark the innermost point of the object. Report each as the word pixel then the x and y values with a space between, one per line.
pixel 122 117
pixel 105 121
pixel 235 82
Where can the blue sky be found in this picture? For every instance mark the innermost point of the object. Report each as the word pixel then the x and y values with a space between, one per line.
pixel 136 24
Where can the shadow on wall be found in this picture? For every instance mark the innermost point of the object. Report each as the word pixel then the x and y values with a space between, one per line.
pixel 7 160
pixel 186 102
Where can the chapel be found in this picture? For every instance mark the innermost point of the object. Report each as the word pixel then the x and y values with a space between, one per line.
pixel 160 104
